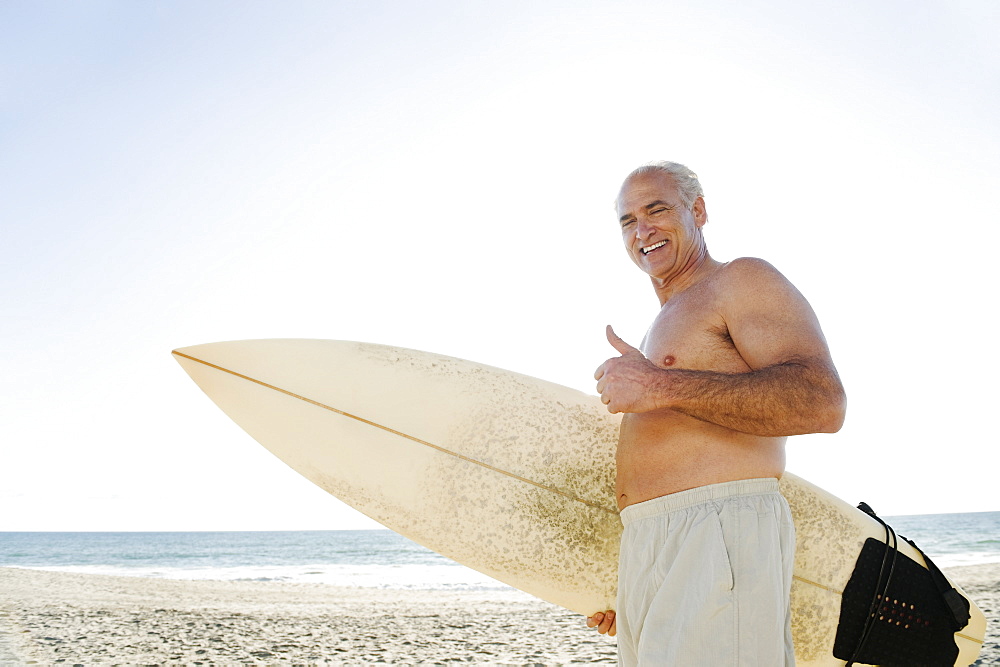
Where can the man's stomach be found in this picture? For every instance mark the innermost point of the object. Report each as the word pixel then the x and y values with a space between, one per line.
pixel 665 452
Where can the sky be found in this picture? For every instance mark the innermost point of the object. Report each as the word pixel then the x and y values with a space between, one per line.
pixel 440 176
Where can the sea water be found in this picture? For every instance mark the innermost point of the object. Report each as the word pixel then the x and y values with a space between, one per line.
pixel 360 558
pixel 370 558
pixel 953 539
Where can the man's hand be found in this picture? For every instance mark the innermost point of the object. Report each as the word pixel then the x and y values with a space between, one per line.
pixel 604 622
pixel 624 382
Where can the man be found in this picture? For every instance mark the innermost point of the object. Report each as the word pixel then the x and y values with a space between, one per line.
pixel 733 363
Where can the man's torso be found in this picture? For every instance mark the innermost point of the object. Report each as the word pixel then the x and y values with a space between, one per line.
pixel 665 451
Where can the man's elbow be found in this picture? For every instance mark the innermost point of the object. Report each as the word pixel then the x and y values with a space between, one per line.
pixel 831 417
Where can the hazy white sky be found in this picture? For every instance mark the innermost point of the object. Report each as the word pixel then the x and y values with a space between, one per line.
pixel 439 175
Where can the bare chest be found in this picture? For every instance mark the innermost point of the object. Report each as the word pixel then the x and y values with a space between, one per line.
pixel 690 332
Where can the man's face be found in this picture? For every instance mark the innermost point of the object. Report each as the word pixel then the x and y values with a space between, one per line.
pixel 660 233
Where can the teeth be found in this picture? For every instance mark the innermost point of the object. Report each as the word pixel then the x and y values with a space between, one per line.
pixel 650 248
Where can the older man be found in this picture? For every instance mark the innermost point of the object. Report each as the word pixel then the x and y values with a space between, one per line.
pixel 733 363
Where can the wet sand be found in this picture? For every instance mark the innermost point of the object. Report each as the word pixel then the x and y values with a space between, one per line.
pixel 62 618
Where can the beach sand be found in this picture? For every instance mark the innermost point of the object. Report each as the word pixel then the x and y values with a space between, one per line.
pixel 47 617
pixel 50 617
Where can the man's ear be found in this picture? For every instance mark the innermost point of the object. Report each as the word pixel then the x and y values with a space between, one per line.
pixel 700 212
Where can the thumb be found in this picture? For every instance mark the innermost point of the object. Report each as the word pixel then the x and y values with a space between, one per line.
pixel 618 343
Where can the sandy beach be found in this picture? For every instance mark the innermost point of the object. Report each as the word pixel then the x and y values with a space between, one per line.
pixel 49 618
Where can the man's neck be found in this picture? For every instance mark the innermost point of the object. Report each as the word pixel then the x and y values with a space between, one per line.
pixel 698 268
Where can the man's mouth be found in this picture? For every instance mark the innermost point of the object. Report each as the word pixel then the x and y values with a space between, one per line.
pixel 650 248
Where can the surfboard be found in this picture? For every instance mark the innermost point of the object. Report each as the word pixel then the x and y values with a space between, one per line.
pixel 507 474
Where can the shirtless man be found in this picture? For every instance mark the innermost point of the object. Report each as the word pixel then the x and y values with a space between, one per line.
pixel 734 362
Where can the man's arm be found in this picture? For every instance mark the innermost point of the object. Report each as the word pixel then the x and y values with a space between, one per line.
pixel 791 388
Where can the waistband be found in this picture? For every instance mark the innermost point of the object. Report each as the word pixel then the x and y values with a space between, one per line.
pixel 699 496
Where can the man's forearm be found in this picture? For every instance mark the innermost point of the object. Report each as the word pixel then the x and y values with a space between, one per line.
pixel 791 398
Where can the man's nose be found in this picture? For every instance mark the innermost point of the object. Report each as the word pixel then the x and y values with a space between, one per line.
pixel 643 230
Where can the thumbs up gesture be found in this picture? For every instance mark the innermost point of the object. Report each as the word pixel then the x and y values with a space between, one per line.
pixel 631 382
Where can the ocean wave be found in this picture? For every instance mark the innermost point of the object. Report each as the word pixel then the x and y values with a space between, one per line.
pixel 397 577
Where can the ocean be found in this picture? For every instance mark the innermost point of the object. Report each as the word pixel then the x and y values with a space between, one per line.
pixel 370 558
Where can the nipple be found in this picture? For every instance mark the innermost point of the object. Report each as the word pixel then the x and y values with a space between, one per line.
pixel 669 360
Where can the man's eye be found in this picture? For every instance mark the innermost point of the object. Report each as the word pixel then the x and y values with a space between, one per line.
pixel 627 223
pixel 659 210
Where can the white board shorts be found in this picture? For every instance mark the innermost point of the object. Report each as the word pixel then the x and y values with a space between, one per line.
pixel 704 578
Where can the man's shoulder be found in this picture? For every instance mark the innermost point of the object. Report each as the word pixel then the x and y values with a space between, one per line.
pixel 754 284
pixel 749 273
pixel 750 265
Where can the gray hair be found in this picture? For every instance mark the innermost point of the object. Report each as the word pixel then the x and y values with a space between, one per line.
pixel 687 182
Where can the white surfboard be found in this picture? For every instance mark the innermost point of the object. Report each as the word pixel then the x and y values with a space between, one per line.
pixel 507 474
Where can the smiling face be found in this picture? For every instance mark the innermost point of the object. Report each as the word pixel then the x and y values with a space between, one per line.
pixel 662 234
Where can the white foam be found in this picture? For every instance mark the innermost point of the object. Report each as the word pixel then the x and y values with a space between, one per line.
pixel 403 577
